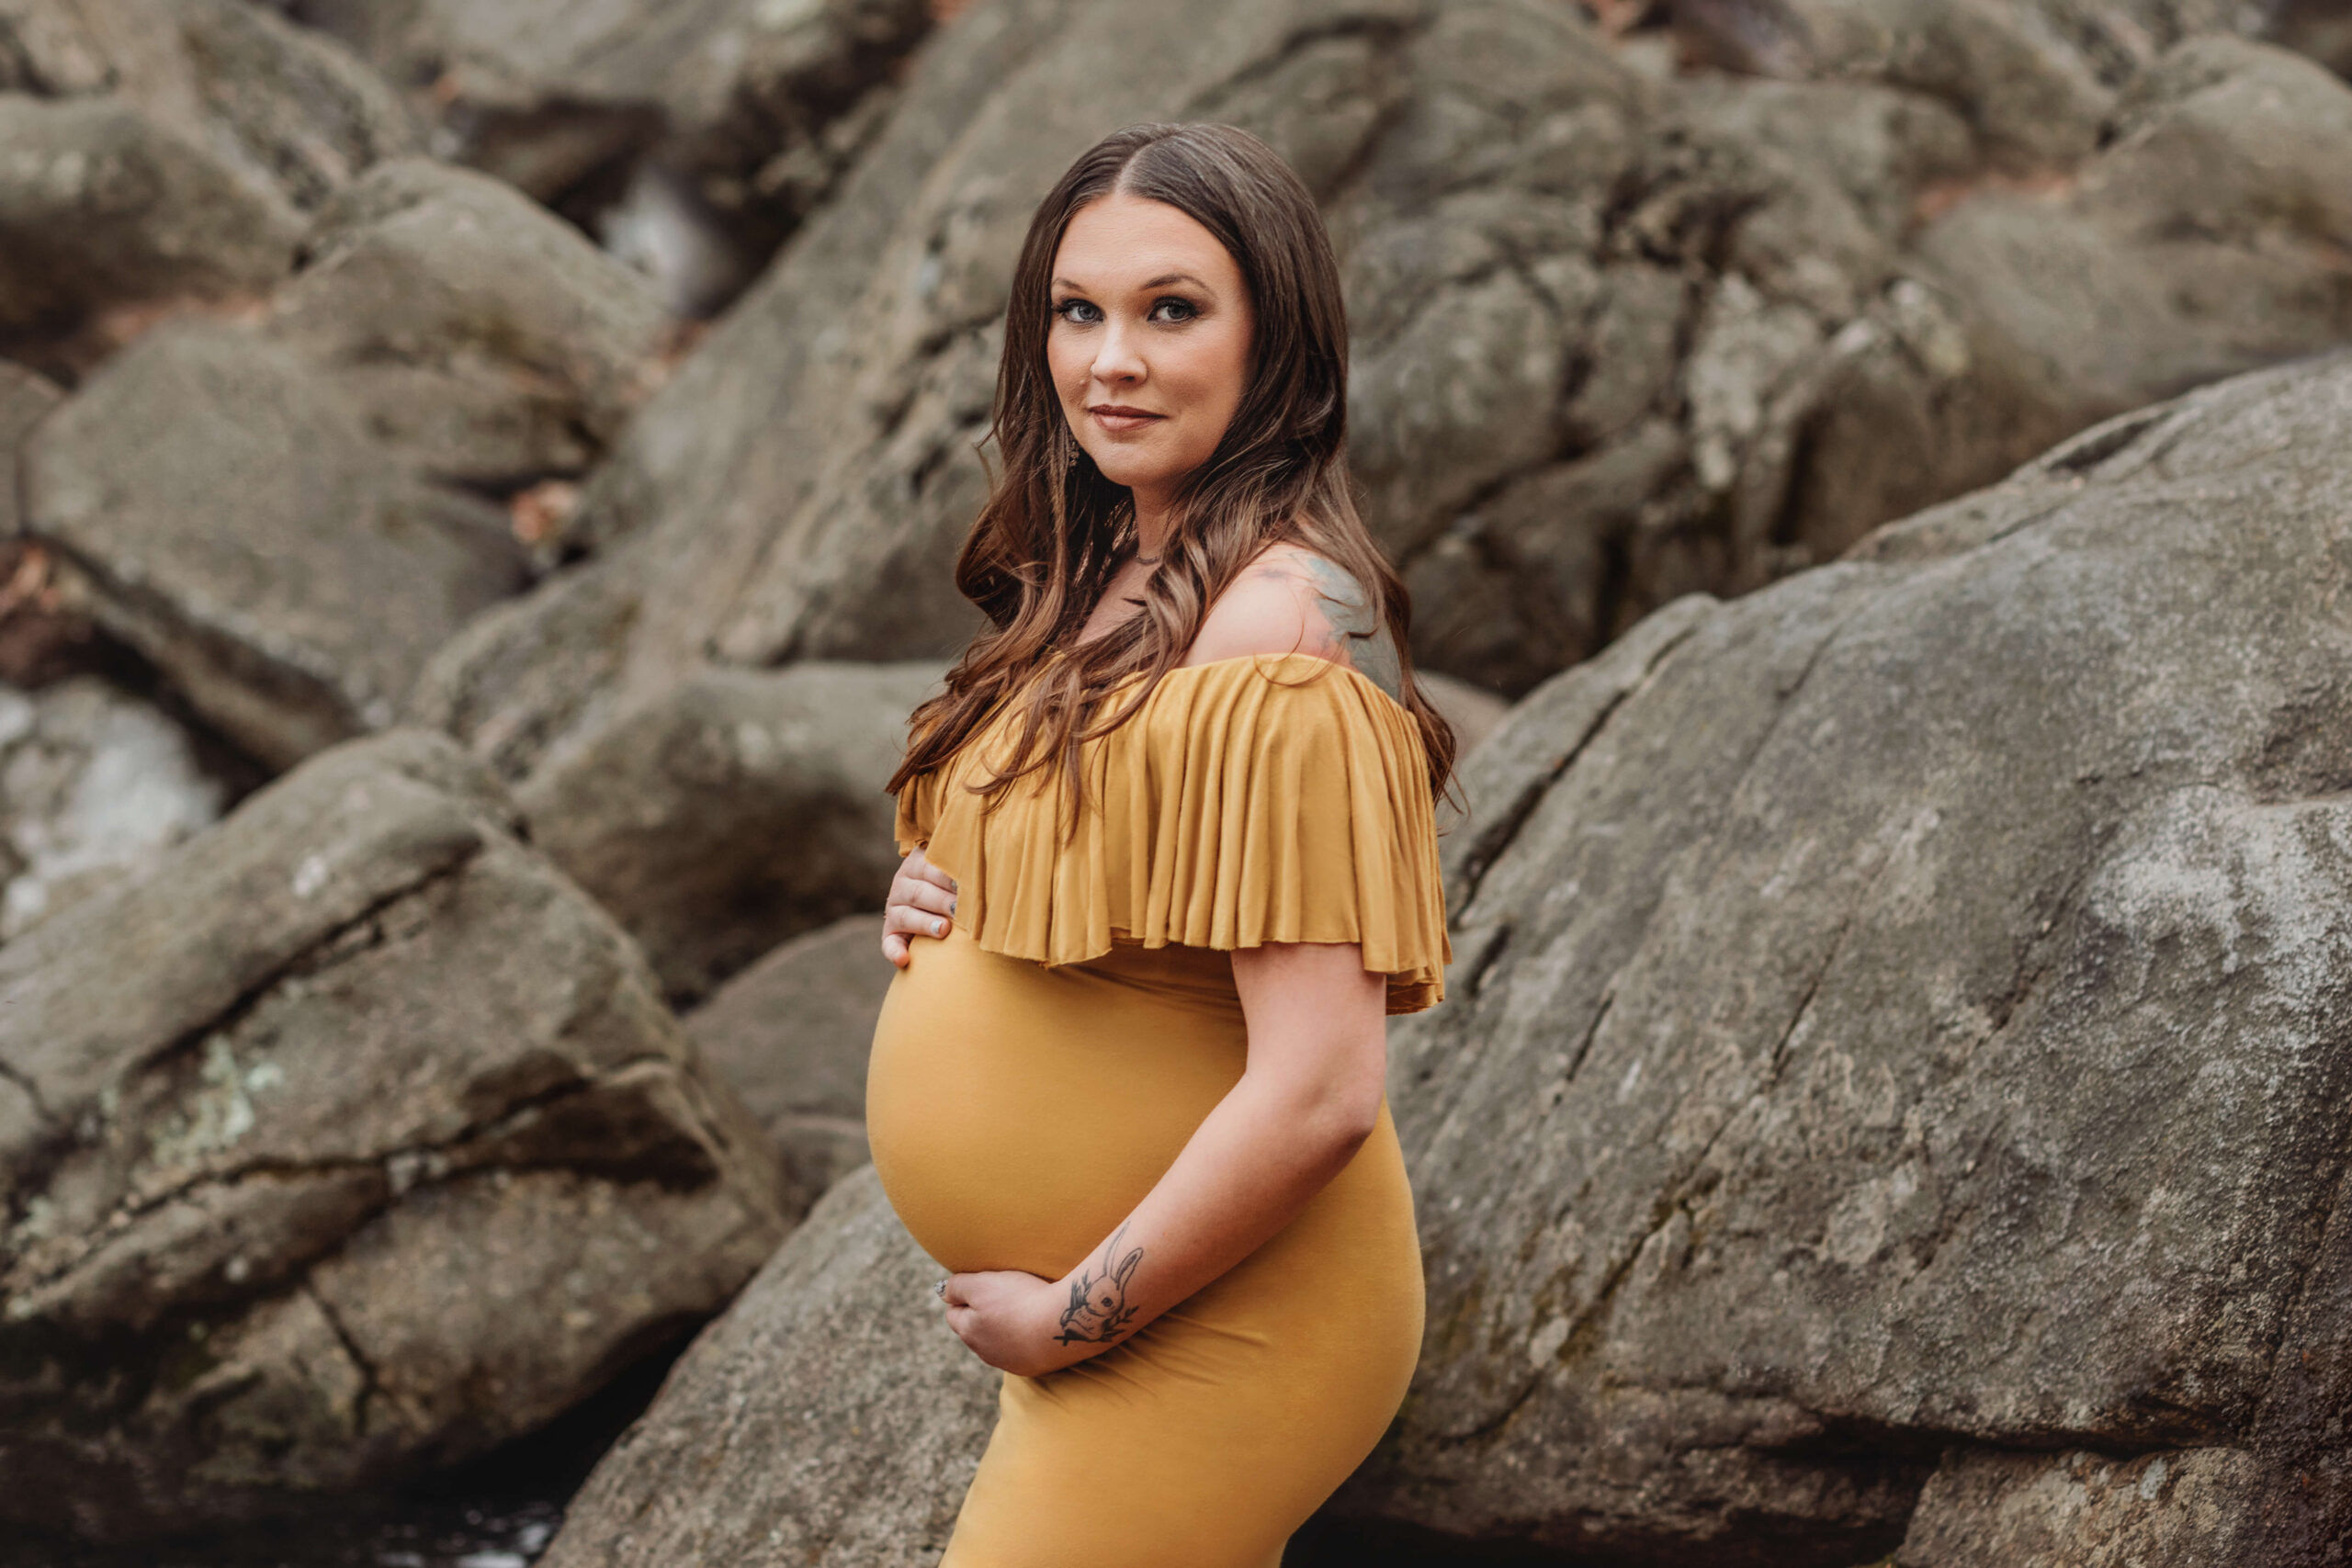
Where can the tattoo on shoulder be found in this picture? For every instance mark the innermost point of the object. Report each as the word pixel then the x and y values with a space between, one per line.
pixel 1098 1311
pixel 1371 648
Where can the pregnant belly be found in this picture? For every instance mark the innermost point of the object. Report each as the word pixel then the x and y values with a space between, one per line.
pixel 1017 1114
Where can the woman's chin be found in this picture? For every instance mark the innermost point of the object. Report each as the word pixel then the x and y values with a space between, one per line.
pixel 1133 470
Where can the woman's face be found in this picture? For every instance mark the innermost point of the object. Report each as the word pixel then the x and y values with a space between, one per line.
pixel 1149 344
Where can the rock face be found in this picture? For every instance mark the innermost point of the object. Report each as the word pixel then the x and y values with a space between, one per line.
pixel 1890 288
pixel 829 1418
pixel 482 339
pixel 1472 710
pixel 163 150
pixel 2036 77
pixel 2167 1510
pixel 230 519
pixel 1619 335
pixel 718 123
pixel 1904 1018
pixel 100 205
pixel 2211 253
pixel 791 1034
pixel 733 810
pixel 24 399
pixel 266 510
pixel 354 1140
pixel 94 787
pixel 286 110
pixel 2320 29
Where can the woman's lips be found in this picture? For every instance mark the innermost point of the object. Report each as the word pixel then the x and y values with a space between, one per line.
pixel 1113 417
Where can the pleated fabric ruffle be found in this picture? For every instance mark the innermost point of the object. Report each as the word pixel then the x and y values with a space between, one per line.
pixel 1269 797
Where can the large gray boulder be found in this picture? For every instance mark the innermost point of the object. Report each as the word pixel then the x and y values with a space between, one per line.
pixel 228 516
pixel 1901 1022
pixel 352 1141
pixel 482 339
pixel 829 1419
pixel 792 1034
pixel 694 133
pixel 740 807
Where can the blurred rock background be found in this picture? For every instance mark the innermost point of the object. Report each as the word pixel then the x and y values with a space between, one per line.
pixel 477 489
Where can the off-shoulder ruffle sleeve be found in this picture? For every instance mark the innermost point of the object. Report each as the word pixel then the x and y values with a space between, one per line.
pixel 1277 797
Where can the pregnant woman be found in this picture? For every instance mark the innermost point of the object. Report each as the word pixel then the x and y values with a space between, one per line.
pixel 1171 863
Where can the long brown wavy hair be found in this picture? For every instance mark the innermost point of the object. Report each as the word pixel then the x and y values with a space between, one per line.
pixel 1053 529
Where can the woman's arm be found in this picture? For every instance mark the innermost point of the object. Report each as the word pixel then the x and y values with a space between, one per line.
pixel 1307 1099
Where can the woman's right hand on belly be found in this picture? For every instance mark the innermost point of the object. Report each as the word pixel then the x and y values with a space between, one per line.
pixel 922 902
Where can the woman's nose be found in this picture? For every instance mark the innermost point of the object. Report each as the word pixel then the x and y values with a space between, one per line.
pixel 1117 359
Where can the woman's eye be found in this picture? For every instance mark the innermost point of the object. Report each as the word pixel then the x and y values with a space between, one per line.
pixel 1084 313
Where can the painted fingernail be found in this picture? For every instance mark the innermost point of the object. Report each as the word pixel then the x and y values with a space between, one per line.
pixel 950 906
pixel 938 928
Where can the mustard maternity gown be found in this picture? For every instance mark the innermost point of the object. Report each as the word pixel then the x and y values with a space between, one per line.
pixel 1036 1070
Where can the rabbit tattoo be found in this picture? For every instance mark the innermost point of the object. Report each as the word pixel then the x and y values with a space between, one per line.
pixel 1098 1302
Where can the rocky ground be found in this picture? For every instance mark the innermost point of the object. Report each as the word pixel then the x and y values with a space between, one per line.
pixel 477 485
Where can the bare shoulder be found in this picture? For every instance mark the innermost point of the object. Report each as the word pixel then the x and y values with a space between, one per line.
pixel 1267 609
pixel 1292 600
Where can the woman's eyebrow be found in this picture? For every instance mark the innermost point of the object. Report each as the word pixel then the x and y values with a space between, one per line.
pixel 1162 281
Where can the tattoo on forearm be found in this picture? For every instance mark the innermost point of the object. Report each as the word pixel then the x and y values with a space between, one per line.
pixel 1098 1311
